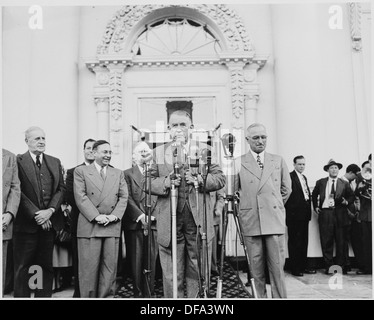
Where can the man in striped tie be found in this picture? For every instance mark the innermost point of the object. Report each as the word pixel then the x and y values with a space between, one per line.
pixel 264 185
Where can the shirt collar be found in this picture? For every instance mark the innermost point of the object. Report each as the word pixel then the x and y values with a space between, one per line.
pixel 98 167
pixel 33 156
pixel 261 154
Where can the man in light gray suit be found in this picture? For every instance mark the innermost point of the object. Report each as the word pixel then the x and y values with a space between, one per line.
pixel 101 194
pixel 264 185
pixel 11 199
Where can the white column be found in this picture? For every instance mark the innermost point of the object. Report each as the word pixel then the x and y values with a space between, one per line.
pixel 363 120
pixel 102 118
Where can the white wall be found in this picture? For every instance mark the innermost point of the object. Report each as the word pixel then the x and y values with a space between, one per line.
pixel 40 79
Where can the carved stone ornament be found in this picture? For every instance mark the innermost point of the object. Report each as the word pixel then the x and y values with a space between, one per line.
pixel 115 98
pixel 355 13
pixel 120 26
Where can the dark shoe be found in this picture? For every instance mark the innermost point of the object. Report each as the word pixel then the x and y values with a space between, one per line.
pixel 297 274
pixel 310 271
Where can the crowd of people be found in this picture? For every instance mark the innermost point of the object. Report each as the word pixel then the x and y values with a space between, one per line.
pixel 164 209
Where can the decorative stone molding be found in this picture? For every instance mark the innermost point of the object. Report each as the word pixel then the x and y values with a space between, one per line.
pixel 355 14
pixel 102 104
pixel 115 101
pixel 121 25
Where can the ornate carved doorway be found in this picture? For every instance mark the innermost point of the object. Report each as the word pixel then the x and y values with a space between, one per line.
pixel 151 54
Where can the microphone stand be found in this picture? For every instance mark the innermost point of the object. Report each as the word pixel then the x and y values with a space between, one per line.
pixel 231 202
pixel 174 201
pixel 204 273
pixel 148 232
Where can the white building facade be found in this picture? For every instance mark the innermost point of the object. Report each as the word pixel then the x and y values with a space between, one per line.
pixel 303 70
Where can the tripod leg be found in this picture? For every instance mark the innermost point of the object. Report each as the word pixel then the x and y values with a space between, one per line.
pixel 223 247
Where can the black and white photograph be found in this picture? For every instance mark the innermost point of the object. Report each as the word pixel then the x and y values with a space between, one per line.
pixel 191 151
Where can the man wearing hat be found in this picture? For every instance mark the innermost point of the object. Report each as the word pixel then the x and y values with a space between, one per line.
pixel 331 197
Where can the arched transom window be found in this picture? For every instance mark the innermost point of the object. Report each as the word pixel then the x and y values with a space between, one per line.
pixel 176 36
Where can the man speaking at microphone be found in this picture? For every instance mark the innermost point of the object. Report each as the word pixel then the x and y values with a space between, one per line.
pixel 189 217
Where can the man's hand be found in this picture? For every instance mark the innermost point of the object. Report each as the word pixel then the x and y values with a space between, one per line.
pixel 190 179
pixel 42 216
pixel 111 218
pixel 47 225
pixel 317 211
pixel 7 219
pixel 102 219
pixel 173 178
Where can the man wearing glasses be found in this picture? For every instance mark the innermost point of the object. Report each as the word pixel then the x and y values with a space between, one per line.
pixel 264 185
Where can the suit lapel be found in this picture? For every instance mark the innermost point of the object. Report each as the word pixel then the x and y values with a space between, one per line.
pixel 323 190
pixel 138 180
pixel 27 165
pixel 108 183
pixel 95 177
pixel 251 165
pixel 169 158
pixel 339 188
pixel 297 181
pixel 53 169
pixel 5 162
pixel 268 169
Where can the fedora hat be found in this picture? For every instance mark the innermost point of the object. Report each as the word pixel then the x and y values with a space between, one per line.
pixel 331 163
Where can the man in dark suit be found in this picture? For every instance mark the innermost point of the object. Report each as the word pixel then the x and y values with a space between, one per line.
pixel 264 185
pixel 189 217
pixel 331 198
pixel 353 227
pixel 101 194
pixel 364 193
pixel 136 226
pixel 298 215
pixel 39 214
pixel 88 159
pixel 11 199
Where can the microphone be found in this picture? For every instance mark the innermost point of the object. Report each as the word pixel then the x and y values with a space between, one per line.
pixel 228 141
pixel 194 156
pixel 177 156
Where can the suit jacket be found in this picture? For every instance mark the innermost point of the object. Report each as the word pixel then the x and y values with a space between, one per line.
pixel 95 196
pixel 160 170
pixel 262 195
pixel 218 202
pixel 135 206
pixel 69 197
pixel 365 213
pixel 31 201
pixel 11 189
pixel 343 190
pixel 297 208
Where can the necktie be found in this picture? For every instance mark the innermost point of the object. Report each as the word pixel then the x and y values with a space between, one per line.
pixel 305 188
pixel 333 187
pixel 260 164
pixel 38 161
pixel 102 174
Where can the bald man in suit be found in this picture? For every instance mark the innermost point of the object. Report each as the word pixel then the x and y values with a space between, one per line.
pixel 264 185
pixel 39 214
pixel 101 194
pixel 11 199
pixel 136 226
